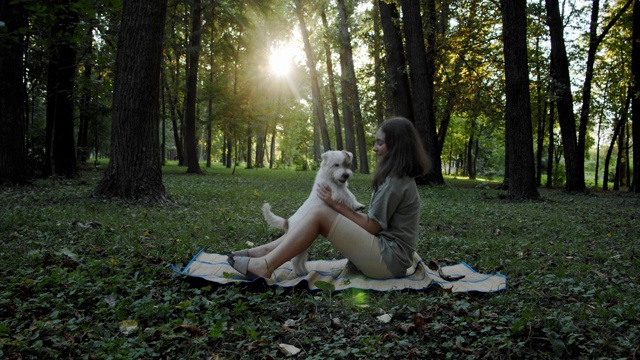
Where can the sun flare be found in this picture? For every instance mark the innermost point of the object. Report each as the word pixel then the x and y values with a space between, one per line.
pixel 281 59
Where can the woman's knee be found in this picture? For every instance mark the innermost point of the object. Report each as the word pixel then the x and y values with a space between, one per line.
pixel 324 215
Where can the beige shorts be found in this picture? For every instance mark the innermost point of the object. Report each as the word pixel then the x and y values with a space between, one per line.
pixel 359 246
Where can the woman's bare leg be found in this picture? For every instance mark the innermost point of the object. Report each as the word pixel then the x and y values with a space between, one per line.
pixel 317 222
pixel 263 249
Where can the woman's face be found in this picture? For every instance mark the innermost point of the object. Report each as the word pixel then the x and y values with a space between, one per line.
pixel 380 146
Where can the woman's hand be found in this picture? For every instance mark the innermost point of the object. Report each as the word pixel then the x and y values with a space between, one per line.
pixel 325 193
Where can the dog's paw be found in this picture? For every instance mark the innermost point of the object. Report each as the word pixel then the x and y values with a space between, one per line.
pixel 358 207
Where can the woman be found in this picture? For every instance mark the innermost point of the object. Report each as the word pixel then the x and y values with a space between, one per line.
pixel 381 243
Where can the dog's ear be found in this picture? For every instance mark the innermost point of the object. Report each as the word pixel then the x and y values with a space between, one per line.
pixel 325 155
pixel 349 155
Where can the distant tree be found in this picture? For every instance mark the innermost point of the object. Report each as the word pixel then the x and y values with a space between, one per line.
pixel 134 170
pixel 421 77
pixel 519 145
pixel 193 59
pixel 574 161
pixel 595 40
pixel 13 157
pixel 318 108
pixel 60 152
pixel 332 87
pixel 352 89
pixel 635 107
pixel 397 77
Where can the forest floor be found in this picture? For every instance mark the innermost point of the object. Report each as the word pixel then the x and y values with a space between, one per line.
pixel 83 278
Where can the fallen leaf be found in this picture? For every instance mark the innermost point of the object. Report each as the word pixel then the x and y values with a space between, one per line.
pixel 407 328
pixel 289 350
pixel 420 320
pixel 385 318
pixel 128 326
pixel 194 331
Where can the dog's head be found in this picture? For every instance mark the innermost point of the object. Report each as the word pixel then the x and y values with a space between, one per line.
pixel 336 165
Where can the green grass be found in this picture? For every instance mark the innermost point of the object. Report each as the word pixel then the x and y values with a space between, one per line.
pixel 75 269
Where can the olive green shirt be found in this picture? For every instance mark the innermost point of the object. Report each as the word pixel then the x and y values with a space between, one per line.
pixel 396 207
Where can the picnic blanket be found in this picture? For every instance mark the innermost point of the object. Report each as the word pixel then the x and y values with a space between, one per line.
pixel 341 275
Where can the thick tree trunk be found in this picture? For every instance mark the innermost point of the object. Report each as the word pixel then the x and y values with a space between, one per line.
pixel 332 87
pixel 635 109
pixel 193 56
pixel 421 77
pixel 60 153
pixel 397 75
pixel 352 90
pixel 315 86
pixel 522 181
pixel 13 156
pixel 347 113
pixel 560 72
pixel 134 171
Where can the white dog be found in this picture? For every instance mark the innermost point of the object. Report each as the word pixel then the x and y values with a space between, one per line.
pixel 335 170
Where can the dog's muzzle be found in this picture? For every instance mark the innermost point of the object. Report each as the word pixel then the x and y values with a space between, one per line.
pixel 344 177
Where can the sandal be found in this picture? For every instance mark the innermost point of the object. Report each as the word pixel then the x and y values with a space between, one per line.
pixel 241 265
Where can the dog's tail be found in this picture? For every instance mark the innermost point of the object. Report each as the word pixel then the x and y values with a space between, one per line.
pixel 273 219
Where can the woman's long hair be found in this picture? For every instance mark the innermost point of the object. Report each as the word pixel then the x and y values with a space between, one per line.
pixel 406 155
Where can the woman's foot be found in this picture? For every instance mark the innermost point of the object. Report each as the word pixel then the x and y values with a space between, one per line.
pixel 252 252
pixel 250 268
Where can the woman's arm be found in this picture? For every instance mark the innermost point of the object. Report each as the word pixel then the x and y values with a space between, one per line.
pixel 372 226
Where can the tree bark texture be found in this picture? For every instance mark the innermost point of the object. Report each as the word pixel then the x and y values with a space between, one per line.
pixel 421 78
pixel 13 156
pixel 397 78
pixel 522 181
pixel 60 153
pixel 347 113
pixel 564 99
pixel 352 90
pixel 134 171
pixel 193 56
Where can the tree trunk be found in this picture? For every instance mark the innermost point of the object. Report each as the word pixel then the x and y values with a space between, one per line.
pixel 522 180
pixel 594 43
pixel 332 87
pixel 249 146
pixel 397 75
pixel 177 139
pixel 421 77
pixel 134 171
pixel 560 72
pixel 616 132
pixel 193 59
pixel 635 110
pixel 378 84
pixel 13 156
pixel 551 147
pixel 86 106
pixel 273 148
pixel 352 90
pixel 347 113
pixel 60 153
pixel 598 151
pixel 315 87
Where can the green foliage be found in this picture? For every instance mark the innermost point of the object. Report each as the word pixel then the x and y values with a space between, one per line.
pixel 84 278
